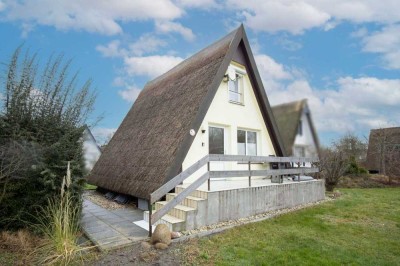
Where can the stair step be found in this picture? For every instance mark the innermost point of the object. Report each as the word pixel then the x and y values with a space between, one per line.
pixel 173 223
pixel 196 193
pixel 189 201
pixel 179 211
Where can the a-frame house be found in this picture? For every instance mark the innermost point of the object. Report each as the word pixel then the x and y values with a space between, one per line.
pixel 297 129
pixel 212 103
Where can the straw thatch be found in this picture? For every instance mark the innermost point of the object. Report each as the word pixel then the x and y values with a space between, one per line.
pixel 151 143
pixel 287 117
pixel 383 150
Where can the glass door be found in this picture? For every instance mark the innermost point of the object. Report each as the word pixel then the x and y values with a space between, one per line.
pixel 216 145
pixel 216 140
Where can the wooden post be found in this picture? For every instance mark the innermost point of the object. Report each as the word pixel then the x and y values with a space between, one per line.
pixel 150 213
pixel 249 174
pixel 298 166
pixel 208 180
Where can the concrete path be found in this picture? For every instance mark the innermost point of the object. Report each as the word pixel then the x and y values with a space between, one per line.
pixel 109 229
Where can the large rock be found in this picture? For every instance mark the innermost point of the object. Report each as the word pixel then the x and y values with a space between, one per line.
pixel 161 246
pixel 161 235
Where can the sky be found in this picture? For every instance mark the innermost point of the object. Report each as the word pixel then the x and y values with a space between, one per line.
pixel 343 56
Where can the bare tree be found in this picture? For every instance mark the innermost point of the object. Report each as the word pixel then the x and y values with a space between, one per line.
pixel 352 147
pixel 333 164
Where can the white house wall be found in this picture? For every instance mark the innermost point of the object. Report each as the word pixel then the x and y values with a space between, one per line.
pixel 306 140
pixel 232 117
pixel 91 151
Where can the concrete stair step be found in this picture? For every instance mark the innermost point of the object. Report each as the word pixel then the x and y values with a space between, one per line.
pixel 179 211
pixel 196 193
pixel 189 201
pixel 173 223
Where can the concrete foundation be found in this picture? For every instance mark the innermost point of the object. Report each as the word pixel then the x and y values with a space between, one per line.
pixel 232 204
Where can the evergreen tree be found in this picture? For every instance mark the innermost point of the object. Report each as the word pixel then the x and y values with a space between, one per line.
pixel 41 122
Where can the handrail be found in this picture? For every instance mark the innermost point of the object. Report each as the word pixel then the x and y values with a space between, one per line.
pixel 171 184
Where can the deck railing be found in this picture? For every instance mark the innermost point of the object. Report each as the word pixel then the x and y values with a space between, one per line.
pixel 286 165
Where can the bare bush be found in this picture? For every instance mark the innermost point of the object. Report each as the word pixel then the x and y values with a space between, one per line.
pixel 333 164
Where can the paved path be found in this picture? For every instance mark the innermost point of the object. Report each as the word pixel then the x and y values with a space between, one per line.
pixel 110 229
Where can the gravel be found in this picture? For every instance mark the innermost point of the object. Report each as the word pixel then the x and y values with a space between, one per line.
pixel 99 199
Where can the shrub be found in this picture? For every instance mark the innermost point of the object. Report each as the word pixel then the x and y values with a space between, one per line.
pixel 354 168
pixel 43 112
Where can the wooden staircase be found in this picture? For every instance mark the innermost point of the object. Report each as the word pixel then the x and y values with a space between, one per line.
pixel 185 216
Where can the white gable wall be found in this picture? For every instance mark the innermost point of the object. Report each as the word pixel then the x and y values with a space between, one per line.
pixel 232 117
pixel 91 151
pixel 306 140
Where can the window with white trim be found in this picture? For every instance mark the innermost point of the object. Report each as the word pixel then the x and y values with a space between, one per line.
pixel 235 88
pixel 246 142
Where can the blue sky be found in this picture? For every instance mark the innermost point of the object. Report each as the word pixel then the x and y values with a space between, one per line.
pixel 344 56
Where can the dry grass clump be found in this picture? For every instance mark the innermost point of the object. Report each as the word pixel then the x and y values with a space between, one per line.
pixel 21 241
pixel 58 222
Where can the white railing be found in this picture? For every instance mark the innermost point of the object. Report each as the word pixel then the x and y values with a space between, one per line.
pixel 287 165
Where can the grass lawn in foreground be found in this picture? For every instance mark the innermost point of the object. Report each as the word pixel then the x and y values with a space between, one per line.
pixel 360 228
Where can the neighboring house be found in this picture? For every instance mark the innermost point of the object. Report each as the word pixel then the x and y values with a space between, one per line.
pixel 297 129
pixel 383 155
pixel 91 151
pixel 213 102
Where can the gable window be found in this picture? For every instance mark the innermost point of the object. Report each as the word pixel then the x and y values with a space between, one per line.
pixel 300 128
pixel 246 142
pixel 235 88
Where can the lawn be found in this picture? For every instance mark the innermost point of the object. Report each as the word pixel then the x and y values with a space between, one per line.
pixel 360 228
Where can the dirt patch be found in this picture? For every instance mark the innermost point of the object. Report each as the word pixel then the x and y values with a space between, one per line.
pixel 18 246
pixel 140 254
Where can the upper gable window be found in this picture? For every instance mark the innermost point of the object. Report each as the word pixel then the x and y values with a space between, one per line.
pixel 235 78
pixel 236 89
pixel 300 128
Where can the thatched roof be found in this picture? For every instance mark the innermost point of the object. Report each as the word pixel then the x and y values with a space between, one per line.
pixel 383 141
pixel 150 145
pixel 287 117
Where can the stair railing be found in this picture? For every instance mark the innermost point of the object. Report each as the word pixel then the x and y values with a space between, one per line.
pixel 287 164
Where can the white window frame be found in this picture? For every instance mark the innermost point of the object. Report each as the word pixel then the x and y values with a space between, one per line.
pixel 240 73
pixel 246 146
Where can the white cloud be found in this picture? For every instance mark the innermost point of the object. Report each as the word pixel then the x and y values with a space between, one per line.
pixel 2 6
pixel 354 104
pixel 298 16
pixel 112 49
pixel 270 69
pixel 273 16
pixel 203 4
pixel 150 66
pixel 288 44
pixel 100 16
pixel 130 93
pixel 170 26
pixel 145 44
pixel 385 42
pixel 102 134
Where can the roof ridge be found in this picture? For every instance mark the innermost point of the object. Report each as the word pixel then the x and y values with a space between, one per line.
pixel 186 60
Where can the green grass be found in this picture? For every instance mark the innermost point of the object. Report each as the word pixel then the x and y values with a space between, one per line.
pixel 90 187
pixel 360 228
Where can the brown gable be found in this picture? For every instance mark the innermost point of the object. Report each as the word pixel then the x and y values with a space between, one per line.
pixel 150 145
pixel 383 142
pixel 287 117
